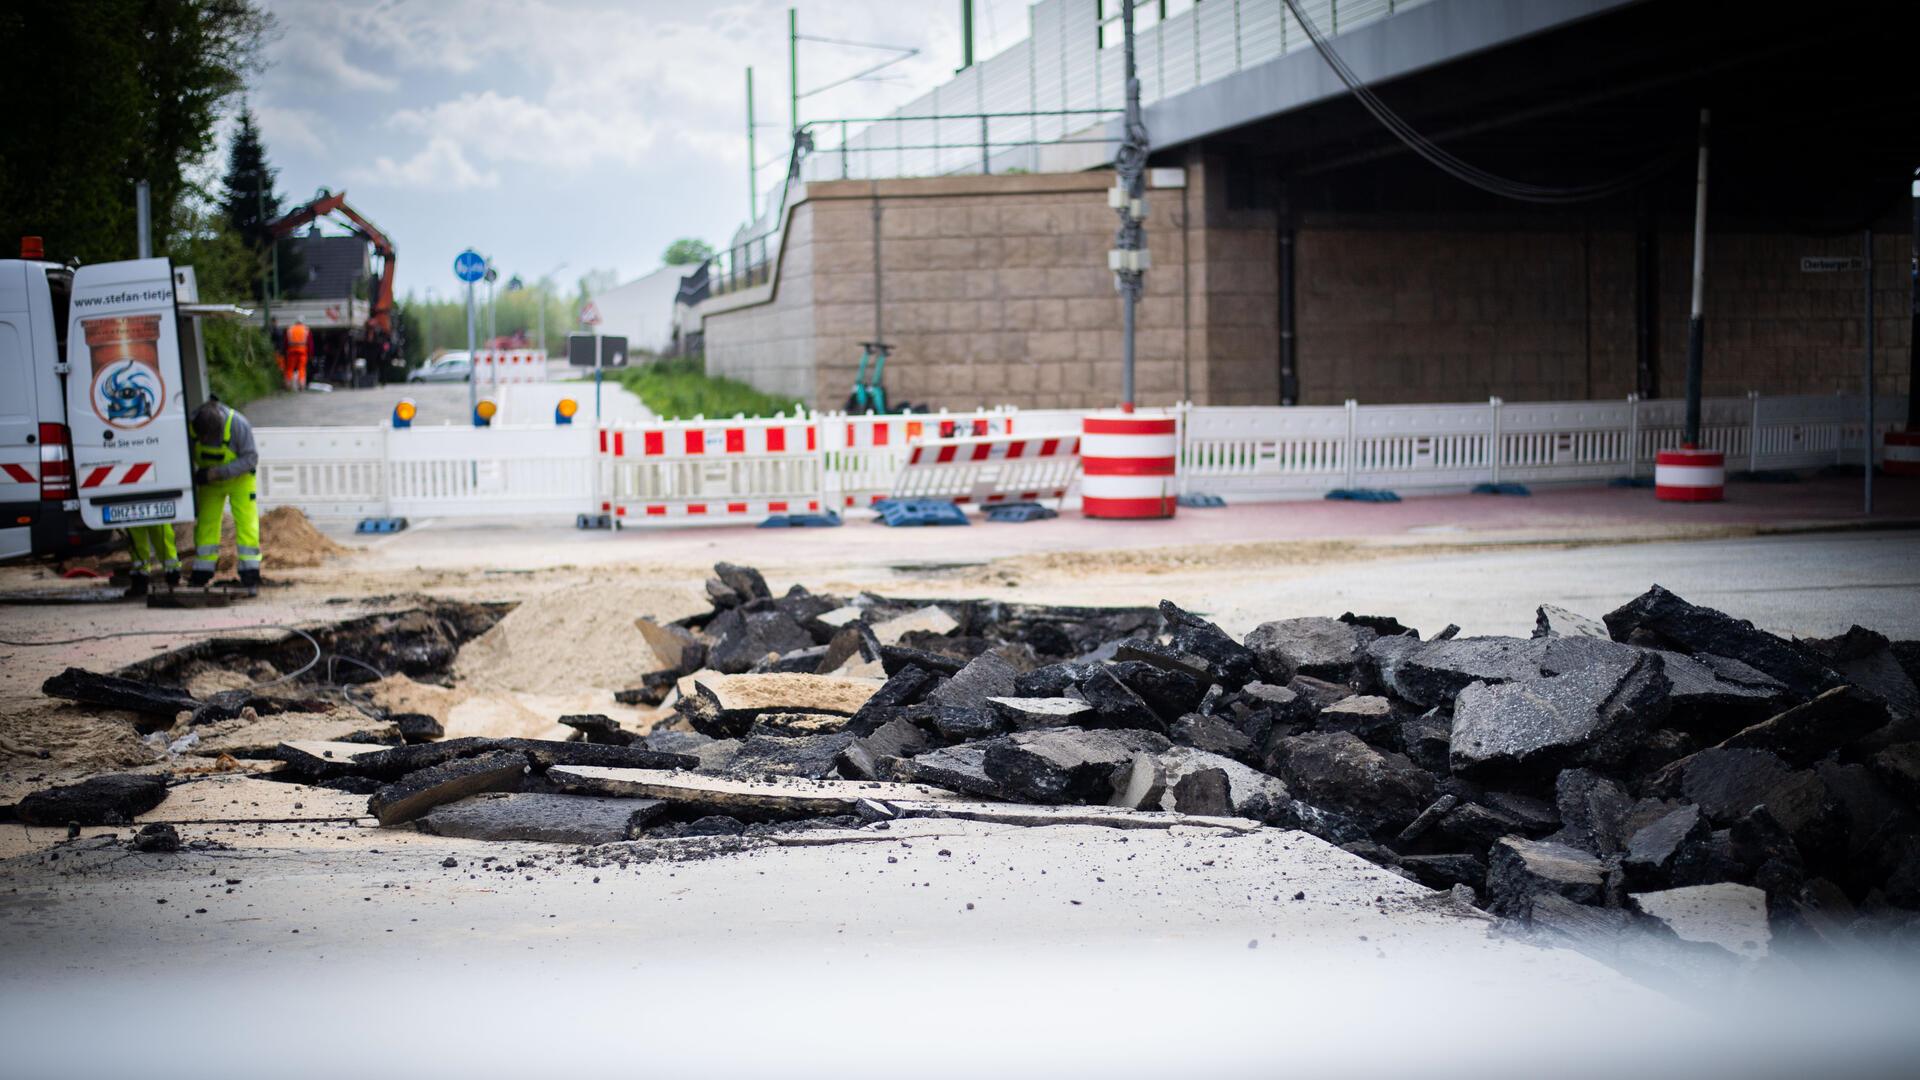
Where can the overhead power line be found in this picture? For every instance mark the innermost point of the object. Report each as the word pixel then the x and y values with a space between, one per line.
pixel 1453 165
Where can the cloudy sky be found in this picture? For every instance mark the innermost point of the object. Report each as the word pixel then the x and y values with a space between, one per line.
pixel 585 132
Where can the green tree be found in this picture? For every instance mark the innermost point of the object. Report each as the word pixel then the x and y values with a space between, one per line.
pixel 687 251
pixel 103 93
pixel 251 205
pixel 240 358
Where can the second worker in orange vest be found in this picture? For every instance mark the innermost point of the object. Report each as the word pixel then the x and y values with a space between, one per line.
pixel 298 352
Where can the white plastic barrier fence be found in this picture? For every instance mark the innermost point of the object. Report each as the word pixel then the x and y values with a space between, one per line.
pixel 493 366
pixel 472 472
pixel 449 471
pixel 326 472
pixel 988 469
pixel 1303 452
pixel 743 469
pixel 709 469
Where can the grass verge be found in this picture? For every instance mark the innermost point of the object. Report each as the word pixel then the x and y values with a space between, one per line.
pixel 682 389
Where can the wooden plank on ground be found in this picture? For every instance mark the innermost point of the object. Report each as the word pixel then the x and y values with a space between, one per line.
pixel 779 795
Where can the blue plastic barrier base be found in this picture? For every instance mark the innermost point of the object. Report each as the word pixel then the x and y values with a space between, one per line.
pixel 1631 482
pixel 1501 489
pixel 1373 495
pixel 1021 511
pixel 801 521
pixel 899 513
pixel 380 525
pixel 593 521
pixel 1200 500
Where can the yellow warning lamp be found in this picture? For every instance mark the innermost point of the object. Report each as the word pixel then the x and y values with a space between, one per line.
pixel 563 412
pixel 483 412
pixel 404 412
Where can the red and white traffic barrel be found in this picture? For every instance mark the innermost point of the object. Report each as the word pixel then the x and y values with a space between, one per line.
pixel 1127 464
pixel 1690 474
pixel 1901 454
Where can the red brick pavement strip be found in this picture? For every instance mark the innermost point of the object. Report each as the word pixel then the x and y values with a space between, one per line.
pixel 1550 515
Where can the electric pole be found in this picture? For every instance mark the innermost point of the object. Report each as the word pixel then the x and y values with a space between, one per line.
pixel 753 157
pixel 1129 260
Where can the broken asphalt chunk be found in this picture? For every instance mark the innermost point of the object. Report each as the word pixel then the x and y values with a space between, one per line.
pixel 418 792
pixel 113 692
pixel 1693 629
pixel 1323 648
pixel 1519 869
pixel 553 819
pixel 1065 765
pixel 1592 716
pixel 114 799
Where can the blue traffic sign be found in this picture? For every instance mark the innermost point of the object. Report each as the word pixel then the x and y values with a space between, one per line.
pixel 469 267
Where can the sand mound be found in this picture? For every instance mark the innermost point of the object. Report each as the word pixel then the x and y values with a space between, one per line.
pixel 573 639
pixel 287 541
pixel 400 694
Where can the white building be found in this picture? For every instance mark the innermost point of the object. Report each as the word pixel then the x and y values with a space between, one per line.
pixel 642 310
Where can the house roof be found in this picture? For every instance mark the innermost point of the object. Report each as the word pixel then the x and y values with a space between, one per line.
pixel 333 265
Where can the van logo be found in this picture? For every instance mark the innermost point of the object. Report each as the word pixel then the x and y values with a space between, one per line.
pixel 127 390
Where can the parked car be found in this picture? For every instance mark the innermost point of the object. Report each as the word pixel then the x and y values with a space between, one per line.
pixel 451 367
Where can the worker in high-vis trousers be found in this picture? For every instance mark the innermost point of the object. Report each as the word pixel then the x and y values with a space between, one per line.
pixel 153 553
pixel 224 460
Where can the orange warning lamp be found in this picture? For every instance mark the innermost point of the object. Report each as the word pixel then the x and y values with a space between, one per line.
pixel 483 412
pixel 563 412
pixel 404 412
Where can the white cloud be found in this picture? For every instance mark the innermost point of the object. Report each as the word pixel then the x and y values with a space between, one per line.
pixel 440 165
pixel 297 128
pixel 500 127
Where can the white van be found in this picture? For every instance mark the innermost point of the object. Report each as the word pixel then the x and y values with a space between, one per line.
pixel 94 399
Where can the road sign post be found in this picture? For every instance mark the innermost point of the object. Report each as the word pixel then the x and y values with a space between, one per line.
pixel 590 316
pixel 469 267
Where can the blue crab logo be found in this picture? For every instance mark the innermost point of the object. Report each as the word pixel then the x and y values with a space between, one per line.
pixel 127 394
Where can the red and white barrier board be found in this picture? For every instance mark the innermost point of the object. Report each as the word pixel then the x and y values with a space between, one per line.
pixel 1901 453
pixel 1689 475
pixel 989 469
pixel 864 454
pixel 493 366
pixel 1128 464
pixel 712 470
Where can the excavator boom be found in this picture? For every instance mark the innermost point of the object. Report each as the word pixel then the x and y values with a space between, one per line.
pixel 380 318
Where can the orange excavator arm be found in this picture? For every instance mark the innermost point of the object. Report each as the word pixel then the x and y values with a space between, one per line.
pixel 380 318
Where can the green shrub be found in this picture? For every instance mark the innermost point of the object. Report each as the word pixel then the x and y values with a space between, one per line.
pixel 682 389
pixel 240 361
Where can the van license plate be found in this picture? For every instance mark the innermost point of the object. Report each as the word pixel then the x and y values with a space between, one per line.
pixel 128 513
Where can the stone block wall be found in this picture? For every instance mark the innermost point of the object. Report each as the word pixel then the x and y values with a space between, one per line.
pixel 766 335
pixel 994 290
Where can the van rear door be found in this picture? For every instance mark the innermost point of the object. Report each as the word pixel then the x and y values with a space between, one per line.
pixel 19 416
pixel 126 400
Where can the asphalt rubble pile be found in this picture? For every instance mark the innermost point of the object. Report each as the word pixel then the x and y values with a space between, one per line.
pixel 1667 773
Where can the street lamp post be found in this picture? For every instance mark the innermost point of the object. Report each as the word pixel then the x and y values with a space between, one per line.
pixel 493 363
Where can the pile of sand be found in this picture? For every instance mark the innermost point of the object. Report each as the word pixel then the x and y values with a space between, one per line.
pixel 287 541
pixel 400 694
pixel 573 639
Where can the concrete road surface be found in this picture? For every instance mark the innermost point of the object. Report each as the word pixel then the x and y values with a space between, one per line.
pixel 932 948
pixel 1808 584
